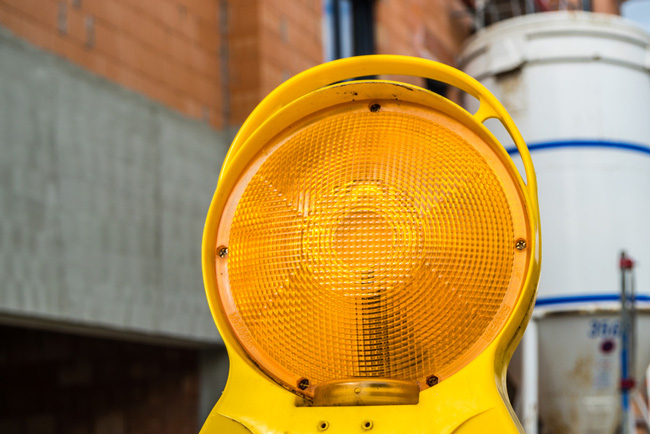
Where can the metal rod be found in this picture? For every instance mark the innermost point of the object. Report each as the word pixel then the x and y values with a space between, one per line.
pixel 641 405
pixel 626 266
pixel 336 28
pixel 479 14
pixel 363 27
pixel 530 378
pixel 493 10
pixel 632 310
pixel 647 392
pixel 530 6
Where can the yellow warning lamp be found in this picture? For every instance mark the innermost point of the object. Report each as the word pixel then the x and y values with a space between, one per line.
pixel 370 257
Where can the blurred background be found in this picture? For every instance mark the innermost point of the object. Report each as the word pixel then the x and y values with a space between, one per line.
pixel 115 117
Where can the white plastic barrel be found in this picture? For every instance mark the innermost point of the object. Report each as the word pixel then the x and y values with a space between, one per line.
pixel 578 86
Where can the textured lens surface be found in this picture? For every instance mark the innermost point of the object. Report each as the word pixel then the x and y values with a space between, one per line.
pixel 371 244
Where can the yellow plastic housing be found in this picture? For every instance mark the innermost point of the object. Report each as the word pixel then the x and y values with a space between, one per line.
pixel 370 230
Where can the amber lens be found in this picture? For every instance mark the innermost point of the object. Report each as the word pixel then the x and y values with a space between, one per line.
pixel 372 242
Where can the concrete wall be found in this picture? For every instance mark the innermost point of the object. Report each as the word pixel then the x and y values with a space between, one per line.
pixel 103 196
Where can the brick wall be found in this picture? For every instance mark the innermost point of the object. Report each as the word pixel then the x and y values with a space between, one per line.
pixel 600 6
pixel 243 58
pixel 172 50
pixel 433 29
pixel 291 39
pixel 166 49
pixel 269 41
pixel 56 383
